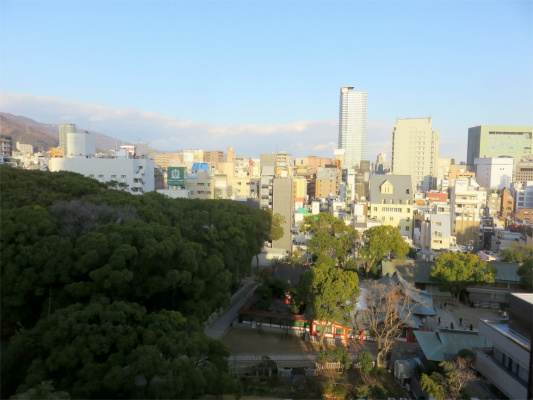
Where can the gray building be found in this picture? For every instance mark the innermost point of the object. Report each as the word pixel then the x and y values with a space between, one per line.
pixel 505 365
pixel 283 204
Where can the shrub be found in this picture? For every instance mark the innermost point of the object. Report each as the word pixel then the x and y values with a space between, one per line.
pixel 365 363
pixel 379 392
pixel 363 392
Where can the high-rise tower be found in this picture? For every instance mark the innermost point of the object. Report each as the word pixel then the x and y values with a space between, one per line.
pixel 415 152
pixel 352 126
pixel 64 130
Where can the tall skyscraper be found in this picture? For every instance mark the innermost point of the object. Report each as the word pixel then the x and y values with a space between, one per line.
pixel 415 152
pixel 352 126
pixel 64 130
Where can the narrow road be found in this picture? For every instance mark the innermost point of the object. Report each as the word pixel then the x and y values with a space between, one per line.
pixel 222 325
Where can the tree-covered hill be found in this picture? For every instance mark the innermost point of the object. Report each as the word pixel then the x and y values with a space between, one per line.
pixel 102 290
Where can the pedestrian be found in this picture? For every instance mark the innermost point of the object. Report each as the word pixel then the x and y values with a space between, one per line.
pixel 460 322
pixel 471 327
pixel 451 325
pixel 439 320
pixel 445 305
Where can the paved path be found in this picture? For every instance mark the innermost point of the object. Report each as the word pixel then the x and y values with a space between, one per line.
pixel 223 324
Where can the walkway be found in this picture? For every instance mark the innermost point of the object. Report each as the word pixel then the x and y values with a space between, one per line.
pixel 218 329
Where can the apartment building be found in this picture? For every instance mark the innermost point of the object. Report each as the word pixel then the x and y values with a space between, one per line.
pixel 391 201
pixel 328 181
pixel 467 199
pixel 415 152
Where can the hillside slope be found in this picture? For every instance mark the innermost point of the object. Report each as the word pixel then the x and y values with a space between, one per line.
pixel 44 136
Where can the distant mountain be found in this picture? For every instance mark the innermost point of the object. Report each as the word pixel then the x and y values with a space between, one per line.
pixel 44 136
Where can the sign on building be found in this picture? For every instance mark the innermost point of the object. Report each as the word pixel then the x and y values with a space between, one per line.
pixel 176 176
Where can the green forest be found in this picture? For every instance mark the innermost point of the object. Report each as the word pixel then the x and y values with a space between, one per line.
pixel 104 294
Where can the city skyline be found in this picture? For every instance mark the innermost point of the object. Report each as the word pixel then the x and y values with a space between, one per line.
pixel 264 76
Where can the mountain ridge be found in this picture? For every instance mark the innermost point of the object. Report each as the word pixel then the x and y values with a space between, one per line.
pixel 44 136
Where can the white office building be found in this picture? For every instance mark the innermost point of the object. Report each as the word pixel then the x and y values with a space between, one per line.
pixel 352 126
pixel 135 173
pixel 494 172
pixel 415 152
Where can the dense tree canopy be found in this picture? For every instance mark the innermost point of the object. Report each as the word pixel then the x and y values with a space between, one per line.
pixel 455 271
pixel 525 271
pixel 331 292
pixel 380 241
pixel 102 291
pixel 276 228
pixel 517 253
pixel 332 237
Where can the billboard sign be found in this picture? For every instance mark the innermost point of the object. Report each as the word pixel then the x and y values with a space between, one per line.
pixel 176 176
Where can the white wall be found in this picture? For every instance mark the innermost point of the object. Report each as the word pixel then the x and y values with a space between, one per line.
pixel 137 173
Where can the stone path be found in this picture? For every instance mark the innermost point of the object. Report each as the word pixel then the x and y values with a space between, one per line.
pixel 218 329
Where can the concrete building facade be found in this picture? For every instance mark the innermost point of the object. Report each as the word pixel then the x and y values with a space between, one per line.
pixel 505 365
pixel 391 201
pixel 136 173
pixel 494 172
pixel 352 126
pixel 467 200
pixel 497 141
pixel 64 130
pixel 524 169
pixel 415 152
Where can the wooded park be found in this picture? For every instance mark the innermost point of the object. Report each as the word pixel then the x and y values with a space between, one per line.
pixel 105 293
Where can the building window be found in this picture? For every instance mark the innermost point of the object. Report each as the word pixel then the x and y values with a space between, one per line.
pixel 407 228
pixel 382 201
pixel 391 219
pixel 375 209
pixel 91 176
pixel 406 191
pixel 339 331
pixel 123 176
pixel 113 177
pixel 329 329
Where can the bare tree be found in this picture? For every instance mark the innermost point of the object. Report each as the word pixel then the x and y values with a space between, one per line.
pixel 456 376
pixel 388 310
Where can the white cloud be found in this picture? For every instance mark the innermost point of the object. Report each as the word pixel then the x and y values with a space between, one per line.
pixel 169 133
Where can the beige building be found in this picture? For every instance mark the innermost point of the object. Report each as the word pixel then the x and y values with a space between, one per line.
pixel 467 199
pixel 328 180
pixel 415 151
pixel 299 191
pixel 164 159
pixel 391 201
pixel 435 231
pixel 524 169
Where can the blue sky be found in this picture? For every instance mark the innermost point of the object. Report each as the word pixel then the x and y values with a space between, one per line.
pixel 265 76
